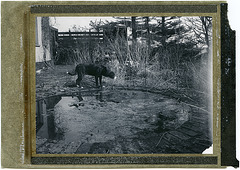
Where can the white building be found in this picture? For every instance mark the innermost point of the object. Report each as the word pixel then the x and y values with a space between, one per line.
pixel 45 42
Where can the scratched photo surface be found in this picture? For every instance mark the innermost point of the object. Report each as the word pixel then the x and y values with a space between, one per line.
pixel 123 85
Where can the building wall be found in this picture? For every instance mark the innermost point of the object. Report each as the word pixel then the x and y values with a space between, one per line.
pixel 39 50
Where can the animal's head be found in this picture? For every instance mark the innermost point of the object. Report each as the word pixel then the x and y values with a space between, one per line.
pixel 108 73
pixel 112 75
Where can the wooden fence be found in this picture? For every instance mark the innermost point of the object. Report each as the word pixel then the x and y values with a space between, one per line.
pixel 72 38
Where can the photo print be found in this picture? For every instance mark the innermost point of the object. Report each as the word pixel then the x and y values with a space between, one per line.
pixel 124 85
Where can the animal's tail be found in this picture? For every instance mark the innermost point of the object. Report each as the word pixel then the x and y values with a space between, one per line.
pixel 72 73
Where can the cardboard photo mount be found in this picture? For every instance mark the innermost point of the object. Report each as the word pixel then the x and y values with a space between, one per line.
pixel 18 84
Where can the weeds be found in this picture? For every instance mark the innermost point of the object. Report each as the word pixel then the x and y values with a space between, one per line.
pixel 168 68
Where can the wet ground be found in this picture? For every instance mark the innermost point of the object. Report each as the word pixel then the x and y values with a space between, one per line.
pixel 116 120
pixel 109 122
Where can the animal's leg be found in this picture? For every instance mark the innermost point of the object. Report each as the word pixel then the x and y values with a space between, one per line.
pixel 78 82
pixel 100 81
pixel 79 79
pixel 96 81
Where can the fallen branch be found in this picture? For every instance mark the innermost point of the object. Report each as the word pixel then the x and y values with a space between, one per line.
pixel 196 107
pixel 160 139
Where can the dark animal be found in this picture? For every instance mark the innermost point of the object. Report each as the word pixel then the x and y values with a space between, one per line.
pixel 94 70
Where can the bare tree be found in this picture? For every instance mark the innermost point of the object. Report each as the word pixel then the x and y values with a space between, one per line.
pixel 201 26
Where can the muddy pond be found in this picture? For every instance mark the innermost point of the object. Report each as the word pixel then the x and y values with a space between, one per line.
pixel 107 122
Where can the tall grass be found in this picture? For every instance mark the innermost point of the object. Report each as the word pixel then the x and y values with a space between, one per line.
pixel 133 65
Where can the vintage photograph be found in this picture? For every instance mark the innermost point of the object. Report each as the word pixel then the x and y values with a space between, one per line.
pixel 124 85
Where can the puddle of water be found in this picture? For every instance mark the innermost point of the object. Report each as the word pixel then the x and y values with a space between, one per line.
pixel 78 124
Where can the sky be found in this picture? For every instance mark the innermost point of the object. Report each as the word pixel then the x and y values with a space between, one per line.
pixel 65 23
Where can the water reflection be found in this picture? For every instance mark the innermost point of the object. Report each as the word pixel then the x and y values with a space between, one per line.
pixel 99 96
pixel 48 129
pixel 40 109
pixel 78 95
pixel 48 122
pixel 104 117
pixel 51 125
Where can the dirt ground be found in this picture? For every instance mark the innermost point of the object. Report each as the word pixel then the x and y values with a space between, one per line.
pixel 116 121
pixel 55 80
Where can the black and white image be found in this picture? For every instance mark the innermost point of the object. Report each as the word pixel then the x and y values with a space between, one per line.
pixel 124 85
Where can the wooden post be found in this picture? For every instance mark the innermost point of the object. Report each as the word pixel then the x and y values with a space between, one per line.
pixel 90 45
